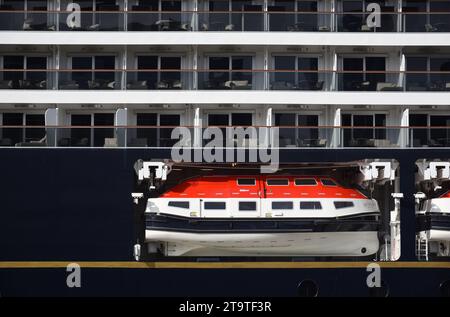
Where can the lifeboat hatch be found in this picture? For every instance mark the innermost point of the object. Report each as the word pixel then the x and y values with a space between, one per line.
pixel 303 211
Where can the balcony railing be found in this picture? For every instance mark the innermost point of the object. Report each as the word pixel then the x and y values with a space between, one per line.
pixel 268 21
pixel 323 137
pixel 224 79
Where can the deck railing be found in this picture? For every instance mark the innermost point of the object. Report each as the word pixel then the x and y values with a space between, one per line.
pixel 224 79
pixel 321 137
pixel 274 20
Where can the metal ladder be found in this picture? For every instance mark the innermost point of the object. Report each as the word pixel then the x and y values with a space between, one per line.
pixel 422 248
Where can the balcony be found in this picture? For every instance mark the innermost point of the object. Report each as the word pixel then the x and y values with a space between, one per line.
pixel 142 19
pixel 25 79
pixel 321 137
pixel 225 79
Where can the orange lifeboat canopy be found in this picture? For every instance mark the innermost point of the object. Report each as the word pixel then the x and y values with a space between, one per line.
pixel 262 186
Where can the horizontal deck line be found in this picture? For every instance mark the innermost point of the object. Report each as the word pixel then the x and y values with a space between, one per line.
pixel 222 265
pixel 225 38
pixel 69 97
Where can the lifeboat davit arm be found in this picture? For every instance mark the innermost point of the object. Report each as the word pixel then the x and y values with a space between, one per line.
pixel 378 172
pixel 153 172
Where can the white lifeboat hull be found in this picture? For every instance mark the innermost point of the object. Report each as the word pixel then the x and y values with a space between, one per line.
pixel 360 243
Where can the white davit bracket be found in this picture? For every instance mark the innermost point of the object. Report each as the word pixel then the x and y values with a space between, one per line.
pixel 136 197
pixel 397 195
pixel 378 171
pixel 419 197
pixel 434 171
pixel 161 170
pixel 137 252
pixel 394 224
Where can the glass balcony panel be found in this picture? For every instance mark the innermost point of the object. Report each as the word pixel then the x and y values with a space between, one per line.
pixel 160 136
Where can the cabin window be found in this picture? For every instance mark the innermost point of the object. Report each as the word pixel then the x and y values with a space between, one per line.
pixel 247 206
pixel 343 204
pixel 328 182
pixel 305 182
pixel 310 205
pixel 282 205
pixel 277 182
pixel 246 181
pixel 179 204
pixel 215 205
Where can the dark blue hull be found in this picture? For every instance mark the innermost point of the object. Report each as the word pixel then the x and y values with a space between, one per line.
pixel 189 282
pixel 75 205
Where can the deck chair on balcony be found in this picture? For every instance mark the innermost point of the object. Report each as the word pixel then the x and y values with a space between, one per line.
pixel 430 28
pixel 320 143
pixel 382 143
pixel 93 27
pixel 237 84
pixel 162 85
pixel 41 142
pixel 110 85
pixel 388 87
pixel 30 25
pixel 69 85
pixel 33 84
pixel 185 27
pixel 137 85
pixel 229 27
pixel 110 142
pixel 176 84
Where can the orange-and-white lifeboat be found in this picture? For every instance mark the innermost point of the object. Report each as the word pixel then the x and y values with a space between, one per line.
pixel 263 215
pixel 434 218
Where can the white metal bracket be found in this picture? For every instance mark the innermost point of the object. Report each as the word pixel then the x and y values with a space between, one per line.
pixel 155 170
pixel 378 171
pixel 136 197
pixel 419 197
pixel 434 171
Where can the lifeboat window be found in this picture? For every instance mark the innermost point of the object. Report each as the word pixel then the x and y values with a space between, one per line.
pixel 179 204
pixel 278 182
pixel 305 182
pixel 343 204
pixel 310 205
pixel 282 205
pixel 215 205
pixel 247 206
pixel 246 181
pixel 328 182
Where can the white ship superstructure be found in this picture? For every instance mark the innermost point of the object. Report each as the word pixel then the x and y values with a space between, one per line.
pixel 309 66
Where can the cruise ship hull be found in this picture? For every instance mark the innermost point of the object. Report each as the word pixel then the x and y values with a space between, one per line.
pixel 73 206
